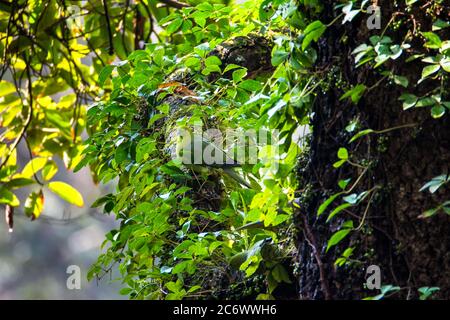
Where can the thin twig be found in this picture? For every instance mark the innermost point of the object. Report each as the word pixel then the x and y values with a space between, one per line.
pixel 175 4
pixel 108 25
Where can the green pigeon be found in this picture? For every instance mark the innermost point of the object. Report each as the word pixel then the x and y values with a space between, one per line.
pixel 200 155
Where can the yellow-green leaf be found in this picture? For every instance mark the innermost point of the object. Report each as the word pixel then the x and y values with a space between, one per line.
pixel 6 88
pixel 33 167
pixel 66 192
pixel 34 205
pixel 7 197
pixel 49 170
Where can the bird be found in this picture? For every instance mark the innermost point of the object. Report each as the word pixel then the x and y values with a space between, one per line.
pixel 201 155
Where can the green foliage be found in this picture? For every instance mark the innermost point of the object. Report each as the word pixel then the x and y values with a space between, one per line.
pixel 167 246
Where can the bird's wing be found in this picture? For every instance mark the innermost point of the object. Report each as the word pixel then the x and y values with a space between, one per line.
pixel 194 149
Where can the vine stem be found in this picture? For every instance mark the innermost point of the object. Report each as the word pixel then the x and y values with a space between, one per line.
pixel 309 236
pixel 409 125
pixel 372 193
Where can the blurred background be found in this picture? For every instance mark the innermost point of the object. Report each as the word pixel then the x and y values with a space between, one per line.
pixel 35 256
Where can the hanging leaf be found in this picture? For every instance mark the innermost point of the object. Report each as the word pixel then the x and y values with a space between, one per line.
pixel 33 167
pixel 66 192
pixel 34 205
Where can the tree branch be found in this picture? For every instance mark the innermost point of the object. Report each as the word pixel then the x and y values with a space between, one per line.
pixel 175 4
pixel 108 25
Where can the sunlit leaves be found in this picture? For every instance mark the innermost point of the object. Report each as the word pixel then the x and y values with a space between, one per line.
pixel 66 192
pixel 33 166
pixel 34 205
pixel 175 24
pixel 49 170
pixel 6 88
pixel 7 197
pixel 343 156
pixel 432 40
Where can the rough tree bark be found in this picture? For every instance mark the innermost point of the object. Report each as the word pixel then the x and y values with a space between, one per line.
pixel 411 252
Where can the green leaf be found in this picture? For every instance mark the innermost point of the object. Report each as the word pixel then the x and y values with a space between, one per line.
pixel 409 100
pixel 429 70
pixel 434 184
pixel 402 81
pixel 211 68
pixel 66 192
pixel 337 210
pixel 104 74
pixel 339 163
pixel 232 66
pixel 342 154
pixel 425 102
pixel 433 40
pixel 426 292
pixel 278 57
pixel 355 93
pixel 250 85
pixel 437 111
pixel 238 75
pixel 337 237
pixel 192 62
pixel 361 134
pixel 280 274
pixel 49 170
pixel 440 24
pixel 313 32
pixel 354 198
pixel 174 25
pixel 429 213
pixel 212 61
pixel 18 183
pixel 445 64
pixel 327 202
pixel 205 6
pixel 343 183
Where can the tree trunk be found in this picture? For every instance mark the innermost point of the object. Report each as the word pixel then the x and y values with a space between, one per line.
pixel 411 252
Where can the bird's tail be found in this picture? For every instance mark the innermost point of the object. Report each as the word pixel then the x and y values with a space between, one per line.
pixel 230 172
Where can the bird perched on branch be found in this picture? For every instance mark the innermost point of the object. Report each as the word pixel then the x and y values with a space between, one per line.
pixel 201 155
